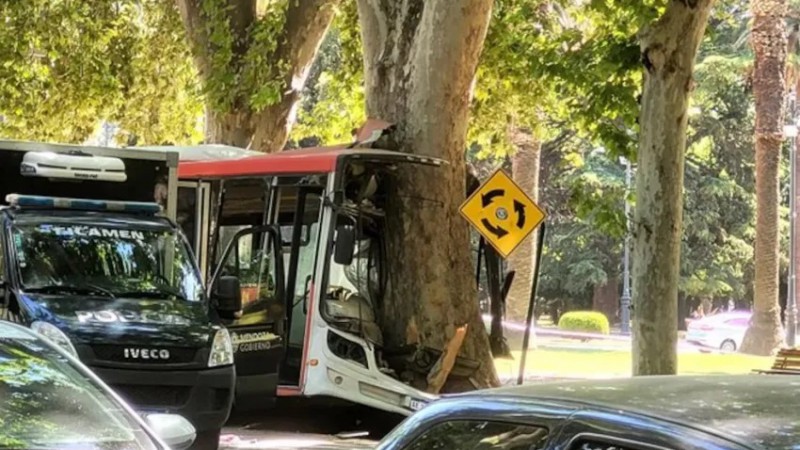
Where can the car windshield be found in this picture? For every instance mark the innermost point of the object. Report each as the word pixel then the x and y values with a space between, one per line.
pixel 49 403
pixel 105 261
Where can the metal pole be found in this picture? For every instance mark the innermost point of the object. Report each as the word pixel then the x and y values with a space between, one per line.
pixel 625 301
pixel 791 304
pixel 531 304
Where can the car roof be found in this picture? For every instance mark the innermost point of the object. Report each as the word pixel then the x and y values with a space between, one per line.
pixel 728 315
pixel 757 409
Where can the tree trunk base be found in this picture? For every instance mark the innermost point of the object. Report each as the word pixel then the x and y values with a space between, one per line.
pixel 764 337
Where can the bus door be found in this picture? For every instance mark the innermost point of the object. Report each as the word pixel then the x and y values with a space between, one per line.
pixel 258 334
pixel 298 211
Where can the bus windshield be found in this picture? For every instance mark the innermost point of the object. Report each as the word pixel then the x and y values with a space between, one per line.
pixel 105 261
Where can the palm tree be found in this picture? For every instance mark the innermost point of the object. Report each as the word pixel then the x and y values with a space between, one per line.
pixel 769 43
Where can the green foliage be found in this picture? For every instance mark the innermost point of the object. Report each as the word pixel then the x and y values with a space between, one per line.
pixel 550 65
pixel 163 102
pixel 334 103
pixel 585 322
pixel 241 64
pixel 64 66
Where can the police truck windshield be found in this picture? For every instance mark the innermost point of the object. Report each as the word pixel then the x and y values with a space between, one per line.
pixel 105 261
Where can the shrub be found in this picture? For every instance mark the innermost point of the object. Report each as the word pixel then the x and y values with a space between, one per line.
pixel 584 322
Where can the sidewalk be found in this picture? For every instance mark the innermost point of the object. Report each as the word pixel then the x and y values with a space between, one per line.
pixel 553 338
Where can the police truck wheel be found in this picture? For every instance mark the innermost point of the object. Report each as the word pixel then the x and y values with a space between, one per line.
pixel 206 440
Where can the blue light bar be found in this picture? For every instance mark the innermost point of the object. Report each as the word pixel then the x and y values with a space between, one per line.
pixel 35 201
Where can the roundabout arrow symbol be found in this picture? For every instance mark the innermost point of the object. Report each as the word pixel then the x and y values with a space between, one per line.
pixel 497 231
pixel 487 198
pixel 520 209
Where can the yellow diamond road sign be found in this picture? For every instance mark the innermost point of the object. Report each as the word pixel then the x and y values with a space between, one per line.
pixel 502 212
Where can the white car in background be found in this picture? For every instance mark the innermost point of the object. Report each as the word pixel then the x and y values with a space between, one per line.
pixel 723 331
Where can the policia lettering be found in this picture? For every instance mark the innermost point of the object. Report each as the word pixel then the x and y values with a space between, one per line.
pixel 112 316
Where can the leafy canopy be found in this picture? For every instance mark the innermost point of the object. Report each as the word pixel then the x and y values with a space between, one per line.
pixel 66 65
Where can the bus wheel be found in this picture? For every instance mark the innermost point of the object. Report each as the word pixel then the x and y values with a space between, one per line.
pixel 206 440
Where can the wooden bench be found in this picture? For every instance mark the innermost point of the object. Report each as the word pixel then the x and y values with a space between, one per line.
pixel 787 362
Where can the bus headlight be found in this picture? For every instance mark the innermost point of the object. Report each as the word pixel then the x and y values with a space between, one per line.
pixel 56 336
pixel 221 349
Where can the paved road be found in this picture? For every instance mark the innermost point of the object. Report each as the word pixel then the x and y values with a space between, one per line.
pixel 272 440
pixel 305 424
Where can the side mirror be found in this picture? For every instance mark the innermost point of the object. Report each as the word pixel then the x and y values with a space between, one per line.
pixel 228 294
pixel 173 429
pixel 345 246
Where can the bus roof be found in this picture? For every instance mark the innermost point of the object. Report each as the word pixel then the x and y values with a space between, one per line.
pixel 315 160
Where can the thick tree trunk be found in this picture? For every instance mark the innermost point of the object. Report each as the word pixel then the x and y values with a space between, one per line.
pixel 525 171
pixel 420 58
pixel 267 128
pixel 768 38
pixel 669 48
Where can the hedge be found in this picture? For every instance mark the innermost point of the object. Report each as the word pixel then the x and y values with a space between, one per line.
pixel 584 322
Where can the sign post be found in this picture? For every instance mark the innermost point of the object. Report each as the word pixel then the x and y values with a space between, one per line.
pixel 505 215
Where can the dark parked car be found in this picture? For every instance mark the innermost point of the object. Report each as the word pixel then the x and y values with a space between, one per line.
pixel 49 399
pixel 645 413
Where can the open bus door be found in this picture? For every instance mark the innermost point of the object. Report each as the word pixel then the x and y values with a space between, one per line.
pixel 222 217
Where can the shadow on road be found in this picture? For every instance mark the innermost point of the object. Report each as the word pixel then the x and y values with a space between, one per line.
pixel 312 416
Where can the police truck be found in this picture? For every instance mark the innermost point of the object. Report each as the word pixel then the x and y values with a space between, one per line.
pixel 91 258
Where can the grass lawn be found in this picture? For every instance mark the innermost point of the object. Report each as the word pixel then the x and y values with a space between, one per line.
pixel 615 363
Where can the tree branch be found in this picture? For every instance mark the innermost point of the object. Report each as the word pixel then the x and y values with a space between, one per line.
pixel 195 24
pixel 307 21
pixel 242 13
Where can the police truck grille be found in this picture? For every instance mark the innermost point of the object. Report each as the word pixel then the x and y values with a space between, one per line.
pixel 153 396
pixel 135 354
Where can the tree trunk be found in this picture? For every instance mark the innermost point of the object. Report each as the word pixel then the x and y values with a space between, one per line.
pixel 768 38
pixel 420 59
pixel 669 48
pixel 605 299
pixel 525 171
pixel 265 127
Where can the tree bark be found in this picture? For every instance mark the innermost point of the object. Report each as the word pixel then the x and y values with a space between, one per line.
pixel 525 171
pixel 265 129
pixel 420 59
pixel 768 38
pixel 606 299
pixel 669 47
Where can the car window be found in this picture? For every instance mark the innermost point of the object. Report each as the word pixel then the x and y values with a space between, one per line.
pixel 480 435
pixel 49 403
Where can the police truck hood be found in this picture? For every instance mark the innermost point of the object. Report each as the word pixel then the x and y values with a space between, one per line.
pixel 124 321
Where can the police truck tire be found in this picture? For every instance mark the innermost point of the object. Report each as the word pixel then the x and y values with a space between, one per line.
pixel 206 440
